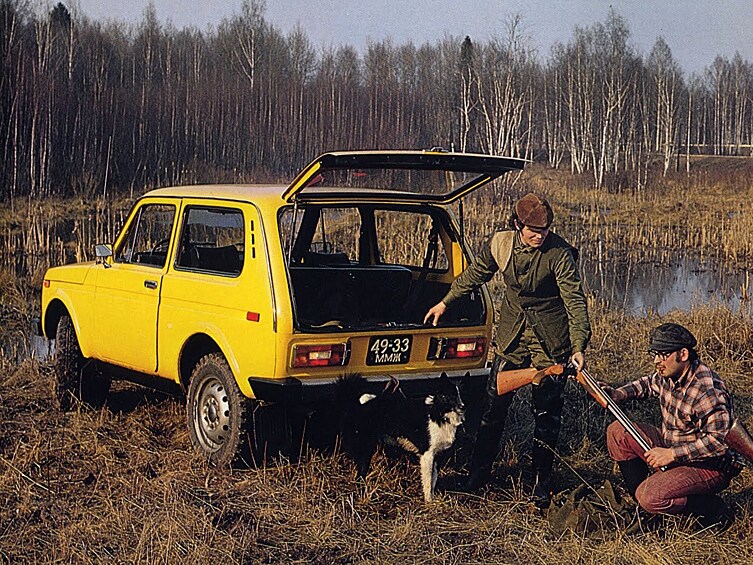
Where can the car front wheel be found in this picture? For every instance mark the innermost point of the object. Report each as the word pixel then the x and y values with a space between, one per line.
pixel 76 378
pixel 216 410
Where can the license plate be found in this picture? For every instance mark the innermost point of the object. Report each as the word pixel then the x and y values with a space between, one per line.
pixel 391 350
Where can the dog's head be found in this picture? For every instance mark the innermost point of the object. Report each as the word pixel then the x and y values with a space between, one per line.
pixel 445 404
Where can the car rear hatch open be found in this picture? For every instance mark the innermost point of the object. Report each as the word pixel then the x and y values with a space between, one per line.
pixel 370 246
pixel 434 175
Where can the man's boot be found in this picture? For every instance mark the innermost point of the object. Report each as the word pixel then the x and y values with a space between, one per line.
pixel 484 453
pixel 546 401
pixel 543 460
pixel 710 511
pixel 486 447
pixel 634 472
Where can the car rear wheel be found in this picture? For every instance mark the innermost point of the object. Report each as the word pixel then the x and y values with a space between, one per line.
pixel 77 379
pixel 216 411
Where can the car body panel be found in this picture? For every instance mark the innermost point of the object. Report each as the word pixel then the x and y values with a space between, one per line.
pixel 71 286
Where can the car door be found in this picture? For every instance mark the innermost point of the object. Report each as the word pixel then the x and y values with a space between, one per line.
pixel 129 285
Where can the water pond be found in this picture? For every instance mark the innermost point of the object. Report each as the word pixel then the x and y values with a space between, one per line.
pixel 677 283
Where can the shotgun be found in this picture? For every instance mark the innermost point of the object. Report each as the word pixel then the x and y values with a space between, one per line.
pixel 507 381
pixel 738 438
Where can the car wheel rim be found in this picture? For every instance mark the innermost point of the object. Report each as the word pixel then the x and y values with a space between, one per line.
pixel 212 414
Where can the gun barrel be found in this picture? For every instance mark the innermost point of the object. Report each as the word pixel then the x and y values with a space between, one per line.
pixel 593 388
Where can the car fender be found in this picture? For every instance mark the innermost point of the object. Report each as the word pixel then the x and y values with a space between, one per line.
pixel 59 304
pixel 203 334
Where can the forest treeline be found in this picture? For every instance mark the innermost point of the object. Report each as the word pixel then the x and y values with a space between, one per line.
pixel 89 107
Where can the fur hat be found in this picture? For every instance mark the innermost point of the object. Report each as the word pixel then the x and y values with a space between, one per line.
pixel 670 337
pixel 534 211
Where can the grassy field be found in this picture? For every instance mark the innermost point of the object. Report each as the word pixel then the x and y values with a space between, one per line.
pixel 123 485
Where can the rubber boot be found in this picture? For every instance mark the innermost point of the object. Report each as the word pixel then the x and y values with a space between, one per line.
pixel 543 460
pixel 547 399
pixel 487 445
pixel 634 472
pixel 710 511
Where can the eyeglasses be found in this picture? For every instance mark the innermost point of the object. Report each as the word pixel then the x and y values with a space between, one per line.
pixel 663 355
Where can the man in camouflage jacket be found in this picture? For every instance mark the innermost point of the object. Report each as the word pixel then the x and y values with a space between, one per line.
pixel 543 319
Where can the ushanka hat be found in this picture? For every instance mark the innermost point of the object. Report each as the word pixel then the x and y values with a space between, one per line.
pixel 670 337
pixel 534 212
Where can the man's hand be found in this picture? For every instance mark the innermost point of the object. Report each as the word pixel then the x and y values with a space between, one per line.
pixel 660 457
pixel 579 360
pixel 435 313
pixel 615 394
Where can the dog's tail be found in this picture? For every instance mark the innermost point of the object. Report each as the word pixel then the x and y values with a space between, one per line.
pixel 348 391
pixel 353 390
pixel 356 430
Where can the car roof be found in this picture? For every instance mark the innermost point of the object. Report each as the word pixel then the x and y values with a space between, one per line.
pixel 242 192
pixel 249 192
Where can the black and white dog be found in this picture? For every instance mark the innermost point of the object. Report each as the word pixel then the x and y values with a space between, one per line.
pixel 424 426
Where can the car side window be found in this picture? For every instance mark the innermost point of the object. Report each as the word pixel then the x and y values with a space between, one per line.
pixel 321 235
pixel 409 239
pixel 148 237
pixel 212 240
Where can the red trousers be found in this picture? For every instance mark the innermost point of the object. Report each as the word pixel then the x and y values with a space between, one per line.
pixel 667 491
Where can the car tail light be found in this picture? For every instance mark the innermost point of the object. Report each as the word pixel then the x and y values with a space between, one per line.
pixel 456 347
pixel 321 355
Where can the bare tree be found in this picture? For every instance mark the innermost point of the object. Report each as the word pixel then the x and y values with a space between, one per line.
pixel 667 82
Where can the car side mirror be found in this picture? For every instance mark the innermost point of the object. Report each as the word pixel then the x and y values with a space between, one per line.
pixel 102 251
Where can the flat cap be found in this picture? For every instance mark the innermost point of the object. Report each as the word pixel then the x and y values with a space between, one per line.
pixel 670 337
pixel 534 211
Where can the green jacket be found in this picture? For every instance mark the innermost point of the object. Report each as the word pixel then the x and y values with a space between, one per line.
pixel 543 290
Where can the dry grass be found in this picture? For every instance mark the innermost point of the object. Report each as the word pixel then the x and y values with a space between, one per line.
pixel 122 484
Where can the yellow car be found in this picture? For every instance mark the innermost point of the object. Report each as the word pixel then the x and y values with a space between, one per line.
pixel 242 294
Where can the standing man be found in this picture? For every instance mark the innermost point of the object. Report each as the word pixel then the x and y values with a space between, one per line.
pixel 543 320
pixel 696 414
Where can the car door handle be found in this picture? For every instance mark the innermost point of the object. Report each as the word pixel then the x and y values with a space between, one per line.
pixel 150 284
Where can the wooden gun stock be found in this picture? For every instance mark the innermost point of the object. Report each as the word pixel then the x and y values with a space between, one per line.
pixel 739 439
pixel 508 381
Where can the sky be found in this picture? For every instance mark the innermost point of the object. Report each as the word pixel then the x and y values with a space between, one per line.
pixel 696 30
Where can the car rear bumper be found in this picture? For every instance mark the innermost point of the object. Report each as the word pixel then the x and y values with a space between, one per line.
pixel 292 390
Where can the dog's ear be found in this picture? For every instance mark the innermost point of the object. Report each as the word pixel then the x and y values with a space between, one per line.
pixel 429 400
pixel 444 376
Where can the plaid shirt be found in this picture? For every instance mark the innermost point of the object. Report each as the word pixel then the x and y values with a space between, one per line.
pixel 696 411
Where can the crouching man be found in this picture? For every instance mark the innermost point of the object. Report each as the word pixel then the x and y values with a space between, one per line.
pixel 696 414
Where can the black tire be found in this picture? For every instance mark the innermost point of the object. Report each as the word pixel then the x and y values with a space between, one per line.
pixel 77 379
pixel 216 411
